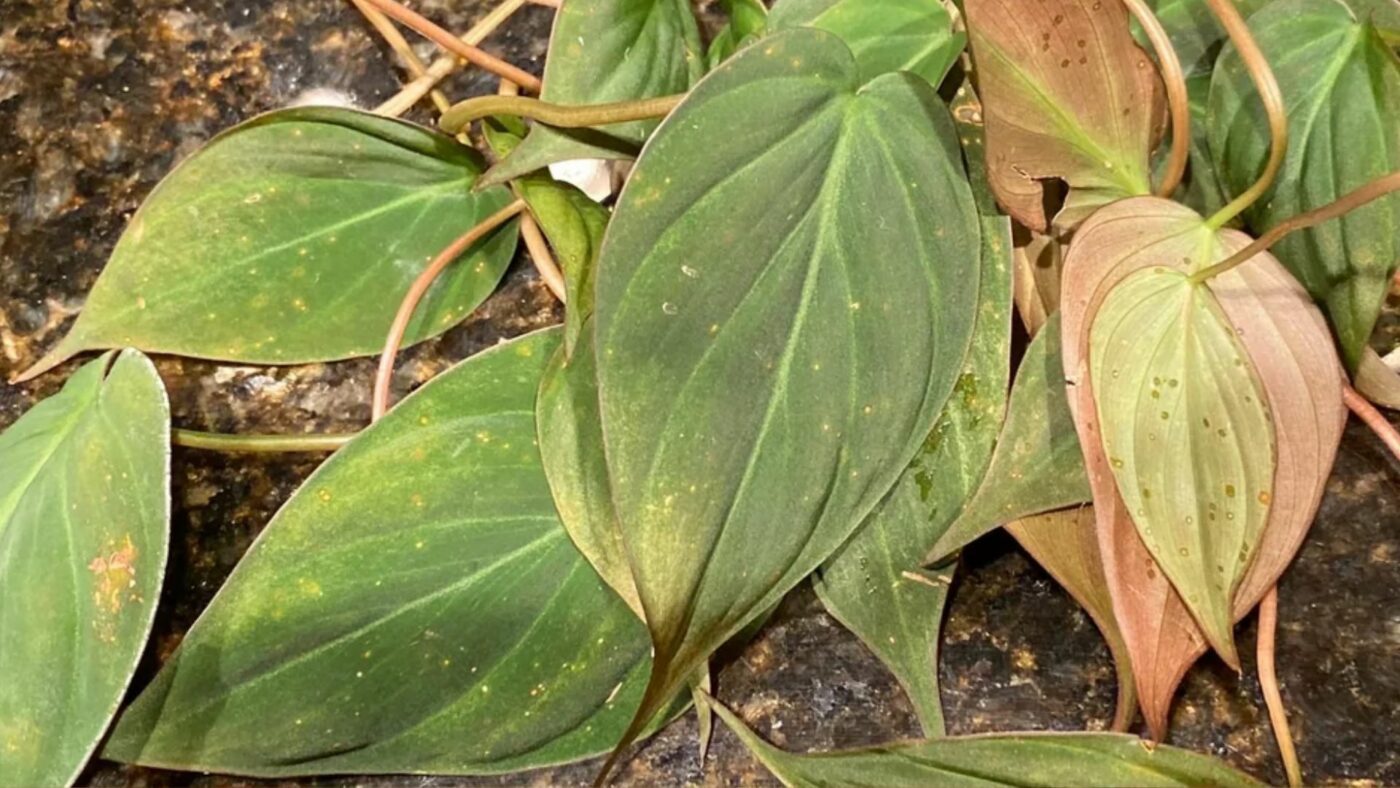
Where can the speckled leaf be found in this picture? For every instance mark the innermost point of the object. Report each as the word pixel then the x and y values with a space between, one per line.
pixel 874 585
pixel 748 21
pixel 1066 545
pixel 1186 428
pixel 84 533
pixel 1068 95
pixel 1341 88
pixel 415 607
pixel 1020 759
pixel 762 384
pixel 603 51
pixel 292 238
pixel 885 35
pixel 1037 465
pixel 1299 370
pixel 1195 33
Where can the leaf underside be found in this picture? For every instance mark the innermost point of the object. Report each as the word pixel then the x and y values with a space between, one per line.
pixel 84 534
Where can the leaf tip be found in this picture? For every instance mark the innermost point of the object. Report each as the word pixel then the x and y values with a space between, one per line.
pixel 61 353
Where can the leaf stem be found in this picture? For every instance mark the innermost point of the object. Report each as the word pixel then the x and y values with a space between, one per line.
pixel 1373 418
pixel 1345 204
pixel 380 403
pixel 544 262
pixel 400 45
pixel 562 115
pixel 424 27
pixel 1267 87
pixel 258 444
pixel 443 67
pixel 1177 98
pixel 1268 681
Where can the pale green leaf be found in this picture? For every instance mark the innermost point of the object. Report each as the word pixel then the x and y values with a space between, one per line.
pixel 763 382
pixel 84 533
pixel 885 35
pixel 415 607
pixel 1187 430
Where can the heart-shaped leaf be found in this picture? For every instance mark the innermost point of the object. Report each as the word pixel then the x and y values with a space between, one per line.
pixel 603 51
pixel 1341 88
pixel 885 35
pixel 1188 434
pixel 84 533
pixel 415 607
pixel 874 585
pixel 1068 95
pixel 1037 465
pixel 292 238
pixel 1066 545
pixel 762 384
pixel 1288 344
pixel 1021 759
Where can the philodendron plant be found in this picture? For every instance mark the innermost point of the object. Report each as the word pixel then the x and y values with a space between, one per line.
pixel 788 354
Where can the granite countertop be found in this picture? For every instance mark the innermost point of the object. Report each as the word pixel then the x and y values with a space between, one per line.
pixel 99 98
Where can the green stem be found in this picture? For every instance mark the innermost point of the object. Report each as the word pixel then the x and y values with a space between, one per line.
pixel 258 444
pixel 460 115
pixel 1345 204
pixel 1267 87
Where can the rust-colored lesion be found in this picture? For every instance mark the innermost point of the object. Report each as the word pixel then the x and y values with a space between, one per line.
pixel 114 578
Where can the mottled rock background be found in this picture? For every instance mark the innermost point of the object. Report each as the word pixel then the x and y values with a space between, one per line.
pixel 99 98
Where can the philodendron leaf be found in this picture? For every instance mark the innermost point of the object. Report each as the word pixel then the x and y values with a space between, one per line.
pixel 1289 348
pixel 84 533
pixel 292 238
pixel 885 35
pixel 415 607
pixel 748 21
pixel 1037 465
pixel 1066 545
pixel 574 226
pixel 874 585
pixel 1195 33
pixel 1186 427
pixel 762 384
pixel 1341 88
pixel 603 51
pixel 1068 95
pixel 1019 759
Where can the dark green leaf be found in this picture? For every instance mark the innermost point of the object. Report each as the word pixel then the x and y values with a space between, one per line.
pixel 84 532
pixel 763 382
pixel 1037 465
pixel 292 238
pixel 1195 33
pixel 603 51
pixel 416 607
pixel 748 21
pixel 574 226
pixel 1017 759
pixel 885 35
pixel 1341 86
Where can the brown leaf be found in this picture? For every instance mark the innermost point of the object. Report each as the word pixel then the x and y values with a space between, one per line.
pixel 1068 95
pixel 1038 259
pixel 1299 370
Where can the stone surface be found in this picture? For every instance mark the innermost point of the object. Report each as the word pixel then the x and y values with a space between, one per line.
pixel 99 98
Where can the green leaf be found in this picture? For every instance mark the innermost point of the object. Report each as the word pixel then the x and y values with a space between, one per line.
pixel 1037 465
pixel 1341 87
pixel 763 382
pixel 415 607
pixel 84 534
pixel 885 35
pixel 1195 33
pixel 573 224
pixel 748 21
pixel 1077 104
pixel 874 585
pixel 292 238
pixel 1202 190
pixel 603 51
pixel 1187 431
pixel 1020 759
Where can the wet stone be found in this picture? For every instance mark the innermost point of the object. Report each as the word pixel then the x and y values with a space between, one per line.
pixel 99 98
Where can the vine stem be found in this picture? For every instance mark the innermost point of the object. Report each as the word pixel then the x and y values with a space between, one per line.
pixel 258 444
pixel 379 405
pixel 1372 418
pixel 1374 190
pixel 1268 681
pixel 1177 98
pixel 400 45
pixel 1267 87
pixel 562 115
pixel 441 68
pixel 538 247
pixel 426 28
